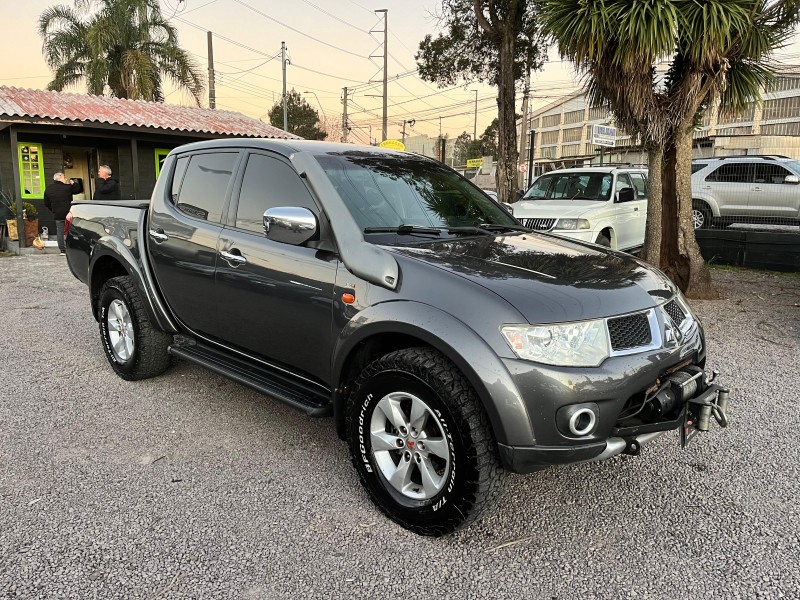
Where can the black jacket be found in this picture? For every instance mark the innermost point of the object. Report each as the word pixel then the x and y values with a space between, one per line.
pixel 58 198
pixel 106 189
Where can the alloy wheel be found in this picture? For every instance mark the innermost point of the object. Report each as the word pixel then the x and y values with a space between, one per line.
pixel 120 330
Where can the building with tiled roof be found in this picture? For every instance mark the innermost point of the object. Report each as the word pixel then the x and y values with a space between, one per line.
pixel 44 132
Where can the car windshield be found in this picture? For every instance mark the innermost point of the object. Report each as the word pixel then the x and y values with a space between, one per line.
pixel 571 186
pixel 384 192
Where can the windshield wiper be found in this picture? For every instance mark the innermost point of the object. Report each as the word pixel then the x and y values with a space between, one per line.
pixel 469 229
pixel 499 227
pixel 404 230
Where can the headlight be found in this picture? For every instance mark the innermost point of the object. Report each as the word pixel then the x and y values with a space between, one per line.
pixel 572 224
pixel 581 344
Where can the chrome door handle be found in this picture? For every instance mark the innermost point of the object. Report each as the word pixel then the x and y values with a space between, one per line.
pixel 635 208
pixel 756 189
pixel 158 235
pixel 237 259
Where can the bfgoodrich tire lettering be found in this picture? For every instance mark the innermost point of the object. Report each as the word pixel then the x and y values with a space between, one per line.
pixel 414 407
pixel 134 348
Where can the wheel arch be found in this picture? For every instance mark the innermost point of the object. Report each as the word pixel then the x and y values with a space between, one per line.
pixel 396 325
pixel 708 201
pixel 111 258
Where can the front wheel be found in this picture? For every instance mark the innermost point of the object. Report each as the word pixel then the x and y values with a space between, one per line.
pixel 421 442
pixel 134 348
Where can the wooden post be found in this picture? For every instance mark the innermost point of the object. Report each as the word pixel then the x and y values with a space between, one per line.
pixel 17 189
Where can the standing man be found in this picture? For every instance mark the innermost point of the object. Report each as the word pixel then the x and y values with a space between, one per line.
pixel 107 187
pixel 58 199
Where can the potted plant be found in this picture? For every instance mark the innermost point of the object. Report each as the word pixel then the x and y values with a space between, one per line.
pixel 29 214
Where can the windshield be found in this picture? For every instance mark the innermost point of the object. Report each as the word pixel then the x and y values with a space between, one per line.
pixel 387 192
pixel 571 186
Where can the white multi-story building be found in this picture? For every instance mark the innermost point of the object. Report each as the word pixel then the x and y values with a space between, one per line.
pixel 563 130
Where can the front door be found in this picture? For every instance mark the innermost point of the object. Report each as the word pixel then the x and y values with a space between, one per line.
pixel 275 299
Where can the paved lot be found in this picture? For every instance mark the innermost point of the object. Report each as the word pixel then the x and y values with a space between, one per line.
pixel 190 486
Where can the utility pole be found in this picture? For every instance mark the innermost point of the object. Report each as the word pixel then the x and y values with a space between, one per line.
pixel 285 110
pixel 410 124
pixel 344 117
pixel 212 92
pixel 385 71
pixel 475 130
pixel 525 93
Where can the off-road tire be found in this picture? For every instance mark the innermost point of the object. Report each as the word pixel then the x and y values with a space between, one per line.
pixel 149 355
pixel 473 479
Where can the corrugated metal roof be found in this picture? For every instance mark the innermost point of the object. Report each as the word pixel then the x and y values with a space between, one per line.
pixel 85 108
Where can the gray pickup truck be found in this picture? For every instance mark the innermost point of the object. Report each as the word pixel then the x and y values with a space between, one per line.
pixel 448 342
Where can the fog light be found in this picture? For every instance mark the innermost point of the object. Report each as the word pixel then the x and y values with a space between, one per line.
pixel 578 420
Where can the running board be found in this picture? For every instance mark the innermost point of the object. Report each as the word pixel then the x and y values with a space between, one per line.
pixel 301 396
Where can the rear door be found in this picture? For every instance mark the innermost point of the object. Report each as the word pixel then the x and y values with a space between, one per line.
pixel 626 214
pixel 275 299
pixel 639 181
pixel 729 184
pixel 183 232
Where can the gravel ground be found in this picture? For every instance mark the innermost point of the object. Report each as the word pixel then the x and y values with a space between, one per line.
pixel 190 486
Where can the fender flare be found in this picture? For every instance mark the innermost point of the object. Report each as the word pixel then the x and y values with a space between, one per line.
pixel 115 248
pixel 709 201
pixel 473 356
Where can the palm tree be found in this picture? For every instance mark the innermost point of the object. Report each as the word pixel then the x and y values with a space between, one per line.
pixel 125 46
pixel 719 51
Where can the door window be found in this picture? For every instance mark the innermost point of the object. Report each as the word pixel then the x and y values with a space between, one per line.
pixel 202 194
pixel 739 172
pixel 640 185
pixel 767 173
pixel 268 182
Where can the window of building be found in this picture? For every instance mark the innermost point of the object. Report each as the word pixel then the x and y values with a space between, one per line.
pixel 781 108
pixel 551 120
pixel 549 137
pixel 781 129
pixel 785 83
pixel 733 172
pixel 205 185
pixel 161 154
pixel 548 152
pixel 573 116
pixel 597 113
pixel 31 170
pixel 573 134
pixel 267 183
pixel 727 131
pixel 570 149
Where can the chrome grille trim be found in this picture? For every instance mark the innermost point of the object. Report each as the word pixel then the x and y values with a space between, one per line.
pixel 654 342
pixel 539 223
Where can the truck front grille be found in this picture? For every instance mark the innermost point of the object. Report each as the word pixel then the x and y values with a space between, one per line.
pixel 630 331
pixel 539 224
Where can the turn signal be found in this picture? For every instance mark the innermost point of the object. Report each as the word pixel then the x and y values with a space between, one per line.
pixel 348 298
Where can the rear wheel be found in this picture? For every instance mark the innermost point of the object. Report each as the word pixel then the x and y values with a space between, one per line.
pixel 134 348
pixel 701 215
pixel 421 442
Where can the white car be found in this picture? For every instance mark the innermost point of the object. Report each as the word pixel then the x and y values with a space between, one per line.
pixel 605 205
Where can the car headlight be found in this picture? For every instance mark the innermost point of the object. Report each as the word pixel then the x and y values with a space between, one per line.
pixel 572 224
pixel 580 344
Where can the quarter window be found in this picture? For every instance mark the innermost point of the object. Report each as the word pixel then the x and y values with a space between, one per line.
pixel 205 185
pixel 268 182
pixel 640 185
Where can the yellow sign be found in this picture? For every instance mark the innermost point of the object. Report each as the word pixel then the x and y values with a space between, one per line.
pixel 474 162
pixel 393 145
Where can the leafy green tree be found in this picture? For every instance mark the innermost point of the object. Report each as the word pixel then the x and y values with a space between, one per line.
pixel 720 52
pixel 489 139
pixel 123 46
pixel 465 148
pixel 492 41
pixel 301 117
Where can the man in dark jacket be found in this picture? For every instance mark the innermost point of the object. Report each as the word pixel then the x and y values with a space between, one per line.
pixel 58 198
pixel 107 187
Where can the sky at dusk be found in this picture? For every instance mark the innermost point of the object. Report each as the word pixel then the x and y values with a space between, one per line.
pixel 329 45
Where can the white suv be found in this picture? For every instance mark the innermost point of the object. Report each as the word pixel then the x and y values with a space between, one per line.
pixel 745 189
pixel 605 205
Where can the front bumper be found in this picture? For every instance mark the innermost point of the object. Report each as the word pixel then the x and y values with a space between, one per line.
pixel 609 389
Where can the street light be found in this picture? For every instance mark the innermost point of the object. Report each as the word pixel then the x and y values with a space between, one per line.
pixel 324 116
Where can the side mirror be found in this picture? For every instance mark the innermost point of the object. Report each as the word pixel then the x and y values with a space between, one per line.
pixel 791 179
pixel 626 195
pixel 290 225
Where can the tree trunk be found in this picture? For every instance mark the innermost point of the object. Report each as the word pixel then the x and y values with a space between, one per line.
pixel 652 235
pixel 507 129
pixel 680 255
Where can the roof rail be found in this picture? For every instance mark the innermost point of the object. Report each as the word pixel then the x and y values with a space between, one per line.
pixel 741 156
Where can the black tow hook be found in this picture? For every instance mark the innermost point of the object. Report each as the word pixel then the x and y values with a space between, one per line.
pixel 632 446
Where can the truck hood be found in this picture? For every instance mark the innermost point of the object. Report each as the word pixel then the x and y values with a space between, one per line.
pixel 555 209
pixel 548 279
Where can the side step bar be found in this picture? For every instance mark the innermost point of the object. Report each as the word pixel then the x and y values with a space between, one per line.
pixel 306 398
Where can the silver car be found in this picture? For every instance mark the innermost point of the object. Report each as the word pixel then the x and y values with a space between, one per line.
pixel 745 189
